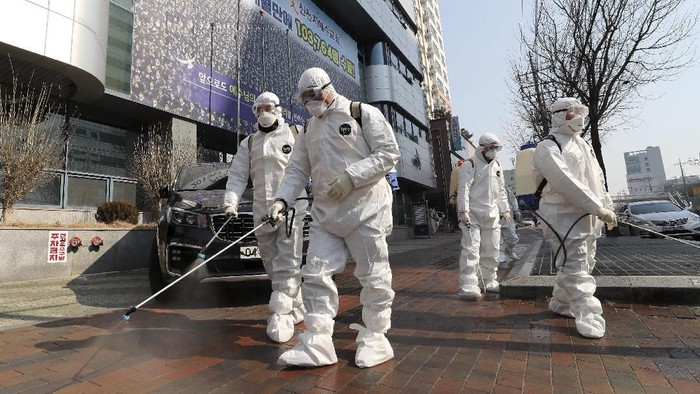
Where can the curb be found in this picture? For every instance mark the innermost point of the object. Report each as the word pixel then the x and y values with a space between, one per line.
pixel 519 284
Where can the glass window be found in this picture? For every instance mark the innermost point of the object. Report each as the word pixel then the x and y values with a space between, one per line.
pixel 124 191
pixel 99 149
pixel 86 192
pixel 121 23
pixel 47 193
pixel 400 124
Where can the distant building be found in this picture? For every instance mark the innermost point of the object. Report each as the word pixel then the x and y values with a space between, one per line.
pixel 432 46
pixel 193 69
pixel 645 171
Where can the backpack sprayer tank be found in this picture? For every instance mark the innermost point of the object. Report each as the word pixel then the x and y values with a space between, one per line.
pixel 525 184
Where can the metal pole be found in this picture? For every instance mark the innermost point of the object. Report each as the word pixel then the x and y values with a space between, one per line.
pixel 238 75
pixel 262 52
pixel 685 185
pixel 66 136
pixel 211 63
pixel 289 81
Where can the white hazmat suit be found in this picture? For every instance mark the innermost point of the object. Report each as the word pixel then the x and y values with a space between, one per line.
pixel 351 214
pixel 509 235
pixel 270 149
pixel 575 187
pixel 481 203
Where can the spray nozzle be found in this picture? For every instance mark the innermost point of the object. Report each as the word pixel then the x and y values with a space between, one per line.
pixel 128 313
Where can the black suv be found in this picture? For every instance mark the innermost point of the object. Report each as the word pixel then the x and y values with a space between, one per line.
pixel 192 215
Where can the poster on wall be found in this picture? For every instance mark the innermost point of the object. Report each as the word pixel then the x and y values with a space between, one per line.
pixel 58 245
pixel 186 56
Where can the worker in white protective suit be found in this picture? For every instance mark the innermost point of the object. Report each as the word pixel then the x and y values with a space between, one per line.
pixel 509 235
pixel 574 198
pixel 263 156
pixel 481 204
pixel 351 213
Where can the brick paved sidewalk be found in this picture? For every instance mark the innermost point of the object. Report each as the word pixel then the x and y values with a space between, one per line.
pixel 442 344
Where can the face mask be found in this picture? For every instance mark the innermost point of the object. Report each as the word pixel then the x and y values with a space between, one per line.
pixel 490 154
pixel 576 124
pixel 316 108
pixel 266 119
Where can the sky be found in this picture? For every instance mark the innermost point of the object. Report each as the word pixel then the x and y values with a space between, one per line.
pixel 481 37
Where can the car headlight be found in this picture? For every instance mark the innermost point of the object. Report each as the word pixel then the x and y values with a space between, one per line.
pixel 693 219
pixel 186 218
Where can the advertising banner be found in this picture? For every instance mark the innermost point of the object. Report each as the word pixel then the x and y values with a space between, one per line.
pixel 186 54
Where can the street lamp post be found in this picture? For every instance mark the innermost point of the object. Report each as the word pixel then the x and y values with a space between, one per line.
pixel 685 185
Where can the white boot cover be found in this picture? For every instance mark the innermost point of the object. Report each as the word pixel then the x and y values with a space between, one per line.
pixel 493 287
pixel 589 317
pixel 280 328
pixel 315 347
pixel 560 308
pixel 299 310
pixel 280 325
pixel 591 325
pixel 469 292
pixel 373 348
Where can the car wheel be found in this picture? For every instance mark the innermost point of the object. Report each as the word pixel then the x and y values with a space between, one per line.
pixel 155 276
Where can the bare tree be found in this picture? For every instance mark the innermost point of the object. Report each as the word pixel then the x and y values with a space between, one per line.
pixel 31 141
pixel 155 164
pixel 602 52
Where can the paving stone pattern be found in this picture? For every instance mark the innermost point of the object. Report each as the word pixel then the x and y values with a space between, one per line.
pixel 633 256
pixel 442 344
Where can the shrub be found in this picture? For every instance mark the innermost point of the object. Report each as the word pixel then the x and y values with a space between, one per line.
pixel 113 211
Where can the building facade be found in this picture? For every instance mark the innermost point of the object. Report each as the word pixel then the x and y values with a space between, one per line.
pixel 193 68
pixel 645 171
pixel 435 85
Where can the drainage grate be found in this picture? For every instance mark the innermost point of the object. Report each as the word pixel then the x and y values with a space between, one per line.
pixel 633 256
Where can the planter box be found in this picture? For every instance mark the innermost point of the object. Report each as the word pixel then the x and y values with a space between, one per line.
pixel 24 252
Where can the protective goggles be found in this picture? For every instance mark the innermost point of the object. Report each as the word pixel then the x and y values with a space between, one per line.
pixel 312 94
pixel 265 107
pixel 576 109
pixel 493 146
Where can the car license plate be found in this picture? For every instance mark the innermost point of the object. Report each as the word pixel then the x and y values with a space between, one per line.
pixel 672 228
pixel 250 252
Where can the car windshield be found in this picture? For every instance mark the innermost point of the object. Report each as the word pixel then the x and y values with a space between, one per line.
pixel 203 177
pixel 652 207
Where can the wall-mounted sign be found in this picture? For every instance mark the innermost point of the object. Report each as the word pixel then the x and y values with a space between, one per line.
pixel 58 245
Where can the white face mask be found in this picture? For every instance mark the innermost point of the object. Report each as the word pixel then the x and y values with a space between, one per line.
pixel 316 107
pixel 490 154
pixel 576 124
pixel 267 119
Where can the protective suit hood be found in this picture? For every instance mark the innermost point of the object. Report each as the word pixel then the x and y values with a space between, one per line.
pixel 315 78
pixel 268 120
pixel 577 112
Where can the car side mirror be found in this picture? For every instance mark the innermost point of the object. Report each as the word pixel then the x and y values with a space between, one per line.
pixel 164 192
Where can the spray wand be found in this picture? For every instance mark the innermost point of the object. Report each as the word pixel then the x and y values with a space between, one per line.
pixel 266 220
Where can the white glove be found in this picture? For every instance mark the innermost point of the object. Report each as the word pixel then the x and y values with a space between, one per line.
pixel 341 186
pixel 464 218
pixel 607 216
pixel 506 217
pixel 275 211
pixel 231 211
